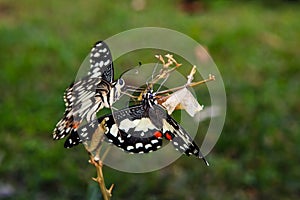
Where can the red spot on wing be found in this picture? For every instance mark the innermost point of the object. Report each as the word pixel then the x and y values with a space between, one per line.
pixel 168 136
pixel 75 124
pixel 158 134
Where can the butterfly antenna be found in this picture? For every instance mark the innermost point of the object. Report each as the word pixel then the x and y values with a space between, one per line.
pixel 203 158
pixel 162 83
pixel 152 75
pixel 205 161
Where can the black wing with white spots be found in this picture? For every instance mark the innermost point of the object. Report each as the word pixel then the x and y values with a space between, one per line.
pixel 85 97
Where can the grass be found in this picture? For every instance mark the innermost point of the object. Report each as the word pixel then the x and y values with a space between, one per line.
pixel 256 48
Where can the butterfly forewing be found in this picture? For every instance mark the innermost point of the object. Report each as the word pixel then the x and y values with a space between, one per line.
pixel 101 63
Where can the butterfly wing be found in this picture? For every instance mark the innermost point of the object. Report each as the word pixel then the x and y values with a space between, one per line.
pixel 136 132
pixel 181 140
pixel 83 100
pixel 130 129
pixel 101 63
pixel 85 97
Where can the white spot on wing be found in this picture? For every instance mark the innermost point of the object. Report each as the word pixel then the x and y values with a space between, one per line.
pixel 101 64
pixel 103 50
pixel 154 141
pixel 144 125
pixel 138 145
pixel 126 124
pixel 120 139
pixel 84 134
pixel 96 54
pixel 129 148
pixel 114 130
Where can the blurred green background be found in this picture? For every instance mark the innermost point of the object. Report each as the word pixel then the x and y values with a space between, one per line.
pixel 255 45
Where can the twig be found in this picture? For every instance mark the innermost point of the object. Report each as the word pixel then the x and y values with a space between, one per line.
pixel 94 147
pixel 106 193
pixel 210 78
pixel 164 72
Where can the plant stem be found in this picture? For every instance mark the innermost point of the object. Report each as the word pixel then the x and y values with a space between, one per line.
pixel 106 193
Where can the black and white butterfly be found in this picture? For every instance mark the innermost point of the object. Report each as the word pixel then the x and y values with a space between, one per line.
pixel 85 97
pixel 141 128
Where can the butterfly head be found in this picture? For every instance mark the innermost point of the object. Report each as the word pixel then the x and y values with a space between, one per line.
pixel 149 98
pixel 118 88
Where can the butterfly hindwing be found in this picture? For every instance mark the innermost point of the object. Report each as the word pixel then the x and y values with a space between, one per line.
pixel 72 140
pixel 129 130
pixel 136 133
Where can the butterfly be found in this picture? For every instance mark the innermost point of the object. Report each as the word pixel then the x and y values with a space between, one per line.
pixel 85 97
pixel 140 128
